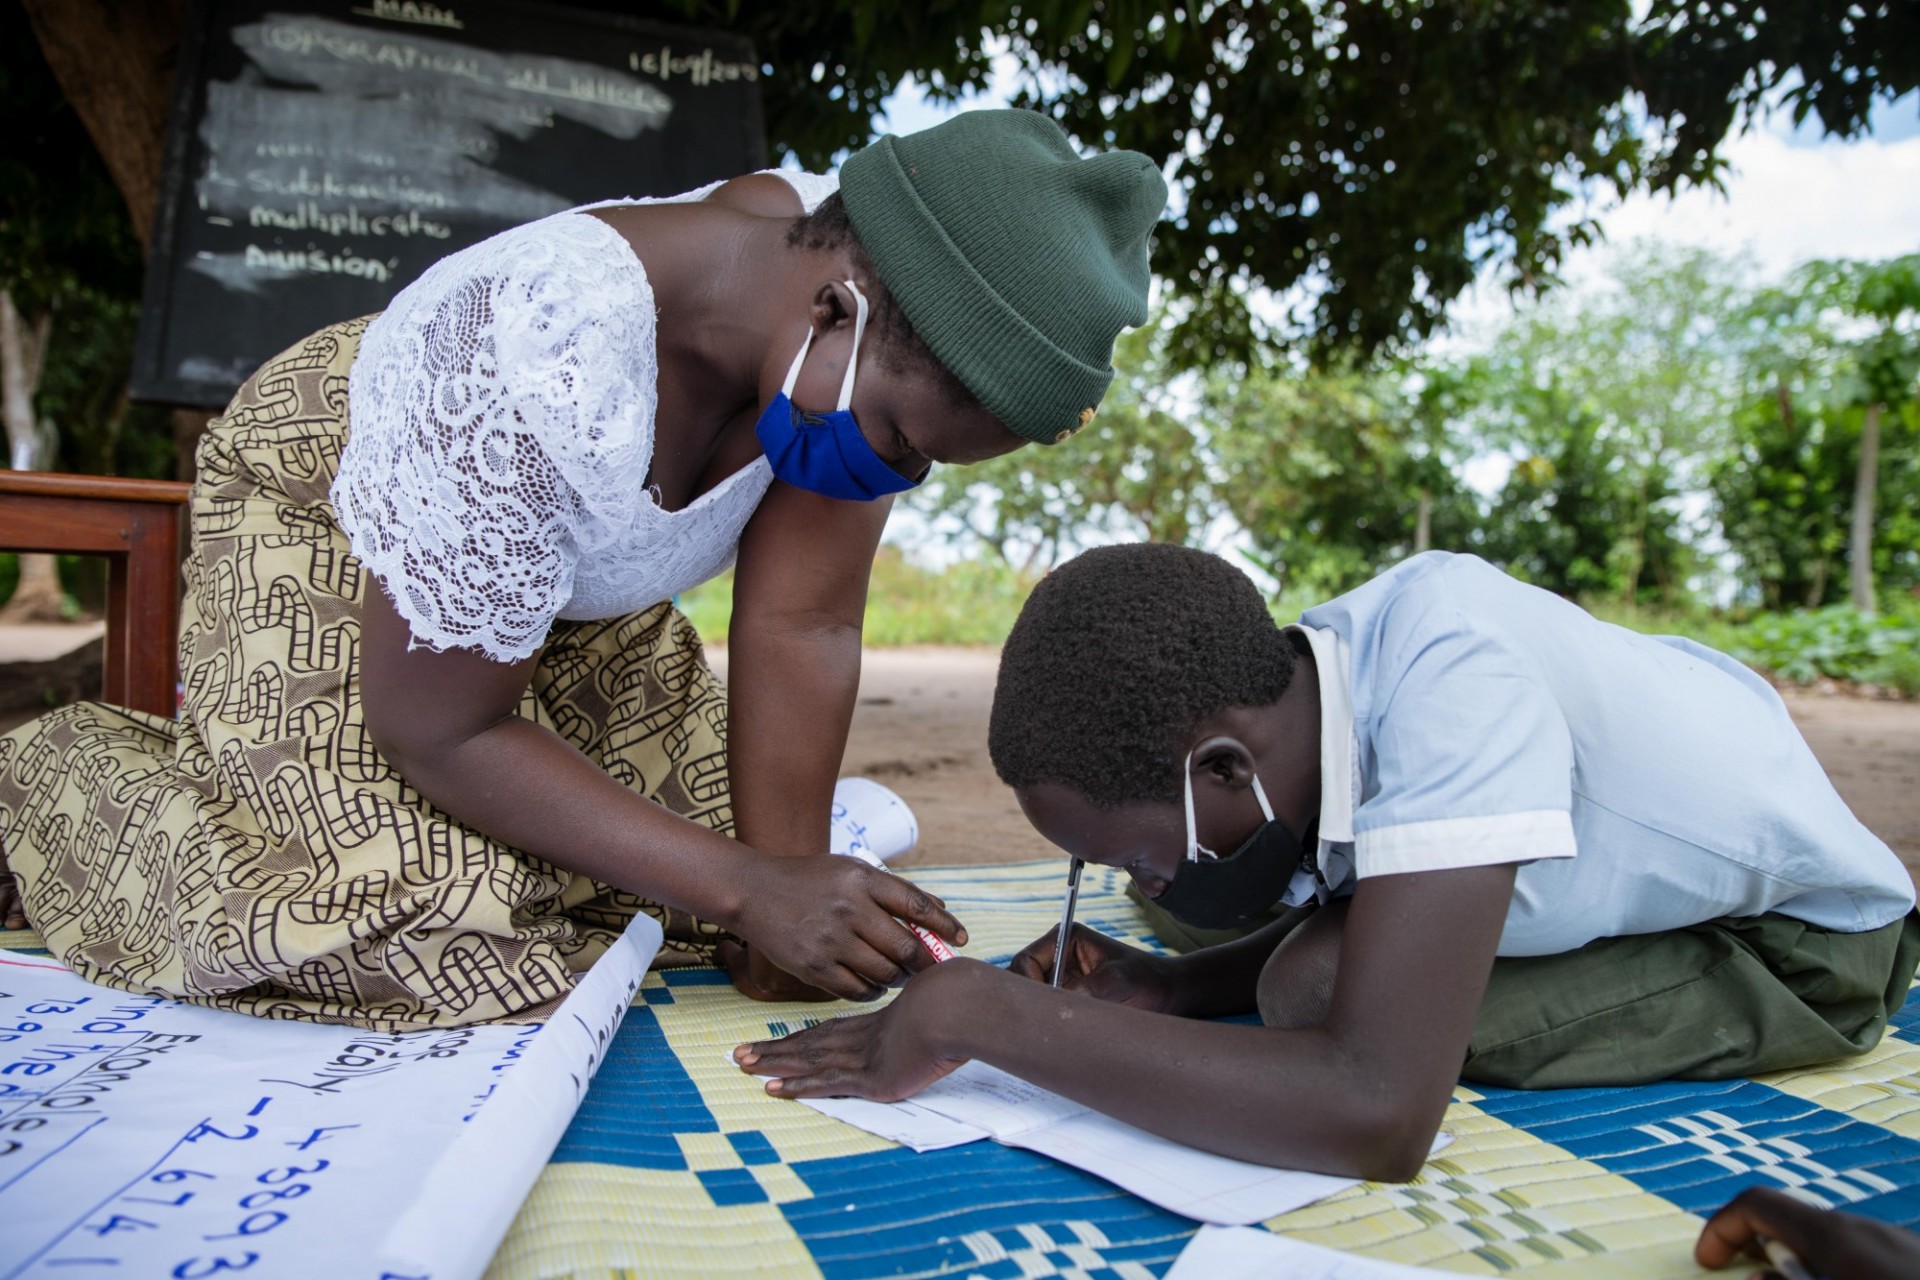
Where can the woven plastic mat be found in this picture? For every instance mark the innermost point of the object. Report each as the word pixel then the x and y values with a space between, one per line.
pixel 678 1165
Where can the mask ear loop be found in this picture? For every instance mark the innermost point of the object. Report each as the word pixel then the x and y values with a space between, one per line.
pixel 853 361
pixel 793 370
pixel 846 383
pixel 1193 836
pixel 1260 794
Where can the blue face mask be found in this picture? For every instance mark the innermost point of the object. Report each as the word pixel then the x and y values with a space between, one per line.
pixel 825 453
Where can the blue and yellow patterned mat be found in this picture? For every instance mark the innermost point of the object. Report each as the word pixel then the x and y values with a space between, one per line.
pixel 678 1165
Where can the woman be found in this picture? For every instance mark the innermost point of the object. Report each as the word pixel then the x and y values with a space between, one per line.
pixel 433 798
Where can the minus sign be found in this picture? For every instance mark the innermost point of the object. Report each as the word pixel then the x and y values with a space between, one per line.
pixel 83 1262
pixel 219 221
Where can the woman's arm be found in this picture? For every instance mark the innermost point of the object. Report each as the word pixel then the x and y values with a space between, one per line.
pixel 448 722
pixel 793 661
pixel 793 670
pixel 1361 1096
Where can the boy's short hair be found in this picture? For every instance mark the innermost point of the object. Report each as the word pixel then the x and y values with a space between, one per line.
pixel 1117 657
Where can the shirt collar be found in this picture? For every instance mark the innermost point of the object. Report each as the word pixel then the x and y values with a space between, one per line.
pixel 1332 868
pixel 1339 749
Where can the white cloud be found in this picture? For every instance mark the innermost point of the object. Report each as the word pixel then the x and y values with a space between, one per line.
pixel 1787 204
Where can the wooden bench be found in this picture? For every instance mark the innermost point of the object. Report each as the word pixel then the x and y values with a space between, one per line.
pixel 138 526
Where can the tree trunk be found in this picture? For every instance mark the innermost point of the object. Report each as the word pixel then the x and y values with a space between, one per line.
pixel 1817 589
pixel 23 349
pixel 1423 523
pixel 114 61
pixel 1866 484
pixel 189 425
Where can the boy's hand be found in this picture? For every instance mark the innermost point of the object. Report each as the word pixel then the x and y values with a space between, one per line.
pixel 1840 1246
pixel 883 1057
pixel 1104 968
pixel 833 924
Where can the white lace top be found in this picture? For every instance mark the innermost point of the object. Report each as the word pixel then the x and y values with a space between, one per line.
pixel 502 414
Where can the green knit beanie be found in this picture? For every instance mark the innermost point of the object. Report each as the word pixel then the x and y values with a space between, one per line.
pixel 1016 260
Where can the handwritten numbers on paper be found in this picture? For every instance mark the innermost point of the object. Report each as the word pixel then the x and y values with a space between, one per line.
pixel 322 1134
pixel 200 1268
pixel 210 1145
pixel 292 1171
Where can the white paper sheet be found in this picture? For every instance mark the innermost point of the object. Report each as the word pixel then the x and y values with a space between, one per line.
pixel 988 1098
pixel 979 1101
pixel 902 1122
pixel 1247 1253
pixel 143 1137
pixel 1193 1184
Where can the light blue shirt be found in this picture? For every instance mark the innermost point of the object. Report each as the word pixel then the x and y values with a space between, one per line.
pixel 1645 783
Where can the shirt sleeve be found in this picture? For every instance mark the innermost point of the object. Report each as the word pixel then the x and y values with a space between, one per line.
pixel 502 413
pixel 1472 756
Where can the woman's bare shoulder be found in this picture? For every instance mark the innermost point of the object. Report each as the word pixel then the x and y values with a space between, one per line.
pixel 762 194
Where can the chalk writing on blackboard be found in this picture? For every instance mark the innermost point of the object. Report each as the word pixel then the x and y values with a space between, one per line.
pixel 322 155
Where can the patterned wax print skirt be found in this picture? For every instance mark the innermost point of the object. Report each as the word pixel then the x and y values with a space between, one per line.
pixel 258 854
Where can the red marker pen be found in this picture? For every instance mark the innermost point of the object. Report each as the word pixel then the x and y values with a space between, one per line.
pixel 935 945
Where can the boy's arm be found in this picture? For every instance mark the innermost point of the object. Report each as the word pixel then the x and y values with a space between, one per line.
pixel 1362 1096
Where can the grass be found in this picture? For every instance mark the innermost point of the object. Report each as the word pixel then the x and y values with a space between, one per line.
pixel 973 602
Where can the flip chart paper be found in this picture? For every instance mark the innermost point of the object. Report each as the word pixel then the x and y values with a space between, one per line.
pixel 139 1136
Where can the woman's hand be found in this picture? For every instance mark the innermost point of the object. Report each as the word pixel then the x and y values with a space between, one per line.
pixel 883 1057
pixel 833 924
pixel 1840 1246
pixel 1106 969
pixel 758 978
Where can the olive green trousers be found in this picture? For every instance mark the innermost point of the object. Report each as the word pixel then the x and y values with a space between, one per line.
pixel 1731 997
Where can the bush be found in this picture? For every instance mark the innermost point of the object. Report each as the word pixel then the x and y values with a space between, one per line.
pixel 1837 642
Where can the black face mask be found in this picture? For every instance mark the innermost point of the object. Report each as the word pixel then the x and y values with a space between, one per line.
pixel 1230 891
pixel 1235 889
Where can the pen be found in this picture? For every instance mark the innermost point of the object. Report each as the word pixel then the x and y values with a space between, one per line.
pixel 1066 921
pixel 1785 1260
pixel 930 940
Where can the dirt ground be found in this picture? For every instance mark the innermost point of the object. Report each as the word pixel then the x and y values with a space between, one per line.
pixel 921 728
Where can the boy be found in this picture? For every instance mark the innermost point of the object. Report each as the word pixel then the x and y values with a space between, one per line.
pixel 1508 842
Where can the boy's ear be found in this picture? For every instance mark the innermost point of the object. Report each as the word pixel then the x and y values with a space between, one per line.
pixel 1224 760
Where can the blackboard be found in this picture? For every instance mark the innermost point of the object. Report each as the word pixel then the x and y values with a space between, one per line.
pixel 323 153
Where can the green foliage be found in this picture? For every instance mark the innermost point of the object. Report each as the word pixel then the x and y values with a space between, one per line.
pixel 1327 469
pixel 1837 642
pixel 83 583
pixel 1607 401
pixel 1837 338
pixel 973 602
pixel 1708 66
pixel 1383 152
pixel 1784 491
pixel 67 248
pixel 1141 471
pixel 63 224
